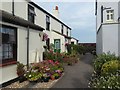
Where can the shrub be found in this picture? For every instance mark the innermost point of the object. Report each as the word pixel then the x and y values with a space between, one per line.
pixel 106 74
pixel 112 82
pixel 110 67
pixel 101 59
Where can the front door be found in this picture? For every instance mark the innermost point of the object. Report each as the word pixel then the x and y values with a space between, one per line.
pixel 57 45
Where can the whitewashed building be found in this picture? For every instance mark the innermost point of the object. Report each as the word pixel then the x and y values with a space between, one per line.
pixel 23 25
pixel 74 41
pixel 108 26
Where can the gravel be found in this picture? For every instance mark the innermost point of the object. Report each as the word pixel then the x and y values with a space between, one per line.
pixel 27 84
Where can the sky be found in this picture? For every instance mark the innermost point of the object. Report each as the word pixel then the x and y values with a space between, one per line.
pixel 78 15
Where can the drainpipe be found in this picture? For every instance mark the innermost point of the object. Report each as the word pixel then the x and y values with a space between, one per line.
pixel 28 48
pixel 13 7
pixel 101 14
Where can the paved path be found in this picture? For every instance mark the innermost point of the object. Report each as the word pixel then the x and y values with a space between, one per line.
pixel 77 76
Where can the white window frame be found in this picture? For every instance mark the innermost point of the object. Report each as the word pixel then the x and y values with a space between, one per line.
pixel 108 14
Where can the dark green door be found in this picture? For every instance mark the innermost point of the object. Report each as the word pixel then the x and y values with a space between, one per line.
pixel 57 45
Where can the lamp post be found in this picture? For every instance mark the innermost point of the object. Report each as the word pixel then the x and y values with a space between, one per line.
pixel 102 9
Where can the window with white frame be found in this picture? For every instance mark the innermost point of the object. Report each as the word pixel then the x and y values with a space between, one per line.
pixel 110 15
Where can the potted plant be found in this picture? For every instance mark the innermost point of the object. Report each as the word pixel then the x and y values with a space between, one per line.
pixel 34 76
pixel 52 77
pixel 69 63
pixel 45 77
pixel 56 75
pixel 20 72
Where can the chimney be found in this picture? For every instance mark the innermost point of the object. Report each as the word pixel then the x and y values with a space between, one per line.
pixel 56 12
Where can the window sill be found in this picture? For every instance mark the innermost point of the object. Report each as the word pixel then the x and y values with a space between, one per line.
pixel 8 63
pixel 109 21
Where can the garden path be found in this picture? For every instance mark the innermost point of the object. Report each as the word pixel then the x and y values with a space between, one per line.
pixel 77 76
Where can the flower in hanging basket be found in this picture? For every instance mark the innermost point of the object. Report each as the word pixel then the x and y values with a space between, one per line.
pixel 66 44
pixel 45 37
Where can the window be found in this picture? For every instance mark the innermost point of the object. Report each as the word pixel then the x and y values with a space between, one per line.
pixel 9 44
pixel 110 15
pixel 48 43
pixel 47 23
pixel 62 29
pixel 72 43
pixel 67 31
pixel 31 14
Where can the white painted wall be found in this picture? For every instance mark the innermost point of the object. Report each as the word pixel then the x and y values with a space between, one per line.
pixel 8 73
pixel 36 46
pixel 108 35
pixel 74 40
pixel 119 39
pixel 110 38
pixel 40 18
pixel 99 42
pixel 7 6
pixel 21 9
pixel 36 43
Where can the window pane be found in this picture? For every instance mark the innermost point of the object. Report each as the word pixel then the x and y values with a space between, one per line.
pixel 111 16
pixel 5 55
pixel 11 31
pixel 107 17
pixel 11 38
pixel 0 54
pixel 5 47
pixel 57 44
pixel 0 29
pixel 3 30
pixel 47 19
pixel 10 54
pixel 10 48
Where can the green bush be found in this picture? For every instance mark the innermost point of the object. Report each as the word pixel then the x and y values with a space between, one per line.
pixel 106 74
pixel 101 59
pixel 110 67
pixel 111 82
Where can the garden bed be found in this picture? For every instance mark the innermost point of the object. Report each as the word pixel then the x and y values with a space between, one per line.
pixel 106 72
pixel 27 84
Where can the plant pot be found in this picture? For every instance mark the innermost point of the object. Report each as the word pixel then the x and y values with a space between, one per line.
pixel 22 79
pixel 52 78
pixel 69 64
pixel 35 81
pixel 46 79
pixel 56 77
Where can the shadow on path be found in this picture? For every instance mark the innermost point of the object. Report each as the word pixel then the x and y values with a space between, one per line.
pixel 77 76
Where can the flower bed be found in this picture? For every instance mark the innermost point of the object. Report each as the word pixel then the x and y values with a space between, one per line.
pixel 44 71
pixel 107 72
pixel 66 58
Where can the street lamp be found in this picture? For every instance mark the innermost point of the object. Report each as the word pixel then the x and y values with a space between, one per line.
pixel 102 9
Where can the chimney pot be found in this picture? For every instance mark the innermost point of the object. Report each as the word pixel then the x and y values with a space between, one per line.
pixel 56 7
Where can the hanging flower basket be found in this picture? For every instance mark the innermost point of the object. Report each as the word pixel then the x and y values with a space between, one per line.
pixel 45 37
pixel 66 44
